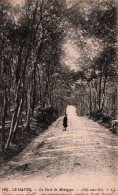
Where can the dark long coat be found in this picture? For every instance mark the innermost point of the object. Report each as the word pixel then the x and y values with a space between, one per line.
pixel 65 121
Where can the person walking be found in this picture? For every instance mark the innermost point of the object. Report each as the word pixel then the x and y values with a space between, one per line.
pixel 65 122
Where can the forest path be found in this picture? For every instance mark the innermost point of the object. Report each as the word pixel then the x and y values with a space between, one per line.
pixel 83 150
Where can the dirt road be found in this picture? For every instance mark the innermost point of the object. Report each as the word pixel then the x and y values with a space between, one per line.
pixel 83 150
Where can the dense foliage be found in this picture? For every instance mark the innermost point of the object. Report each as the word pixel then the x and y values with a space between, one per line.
pixel 30 69
pixel 96 37
pixel 32 76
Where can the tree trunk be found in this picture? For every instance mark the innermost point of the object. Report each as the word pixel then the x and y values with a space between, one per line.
pixel 16 114
pixel 3 123
pixel 29 106
pixel 99 94
pixel 90 100
pixel 13 121
pixel 104 93
pixel 13 136
pixel 96 95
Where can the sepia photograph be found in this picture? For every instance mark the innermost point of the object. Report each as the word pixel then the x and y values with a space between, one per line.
pixel 58 97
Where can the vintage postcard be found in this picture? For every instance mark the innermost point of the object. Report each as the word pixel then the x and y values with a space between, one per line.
pixel 58 97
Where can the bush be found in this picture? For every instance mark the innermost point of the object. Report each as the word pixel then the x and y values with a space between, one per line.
pixel 97 116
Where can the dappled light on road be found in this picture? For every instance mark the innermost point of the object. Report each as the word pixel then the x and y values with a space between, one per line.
pixel 83 150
